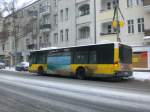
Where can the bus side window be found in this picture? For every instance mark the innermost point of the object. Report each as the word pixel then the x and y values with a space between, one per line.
pixel 106 54
pixel 41 58
pixel 92 57
pixel 33 59
pixel 81 58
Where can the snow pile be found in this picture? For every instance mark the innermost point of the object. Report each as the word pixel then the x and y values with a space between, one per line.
pixel 9 69
pixel 142 76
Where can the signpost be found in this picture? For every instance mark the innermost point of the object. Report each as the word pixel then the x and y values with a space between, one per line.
pixel 116 23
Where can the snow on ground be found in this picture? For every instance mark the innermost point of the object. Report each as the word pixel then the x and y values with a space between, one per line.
pixel 9 69
pixel 141 76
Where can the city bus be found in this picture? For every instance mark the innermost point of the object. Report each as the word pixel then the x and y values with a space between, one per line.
pixel 100 60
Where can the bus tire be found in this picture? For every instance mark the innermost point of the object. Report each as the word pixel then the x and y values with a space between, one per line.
pixel 40 71
pixel 80 73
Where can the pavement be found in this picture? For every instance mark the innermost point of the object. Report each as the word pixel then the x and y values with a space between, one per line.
pixel 25 92
pixel 140 75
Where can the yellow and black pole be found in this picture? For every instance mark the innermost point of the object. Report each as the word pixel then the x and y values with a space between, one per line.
pixel 116 23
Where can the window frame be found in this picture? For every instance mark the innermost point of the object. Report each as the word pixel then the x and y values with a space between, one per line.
pixel 84 10
pixel 131 29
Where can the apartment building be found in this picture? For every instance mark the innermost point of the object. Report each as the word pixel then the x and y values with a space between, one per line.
pixel 85 22
pixel 19 28
pixel 142 52
pixel 44 23
pixel 4 43
pixel 136 17
pixel 61 23
pixel 1 38
pixel 63 26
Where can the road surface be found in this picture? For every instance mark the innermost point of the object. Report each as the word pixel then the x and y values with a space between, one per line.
pixel 25 92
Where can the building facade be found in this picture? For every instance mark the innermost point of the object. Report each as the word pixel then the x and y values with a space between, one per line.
pixel 4 50
pixel 61 23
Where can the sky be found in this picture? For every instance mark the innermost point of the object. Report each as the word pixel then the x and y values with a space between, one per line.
pixel 20 3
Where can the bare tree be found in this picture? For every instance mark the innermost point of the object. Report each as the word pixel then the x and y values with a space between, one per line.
pixel 8 6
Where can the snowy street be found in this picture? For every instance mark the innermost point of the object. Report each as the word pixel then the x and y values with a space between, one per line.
pixel 25 92
pixel 140 76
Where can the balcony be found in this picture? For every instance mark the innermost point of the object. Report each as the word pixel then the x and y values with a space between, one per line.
pixel 33 14
pixel 45 44
pixel 33 17
pixel 105 15
pixel 109 37
pixel 45 10
pixel 83 19
pixel 80 1
pixel 146 4
pixel 147 34
pixel 32 46
pixel 45 27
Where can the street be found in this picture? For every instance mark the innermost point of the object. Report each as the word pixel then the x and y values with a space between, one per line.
pixel 25 92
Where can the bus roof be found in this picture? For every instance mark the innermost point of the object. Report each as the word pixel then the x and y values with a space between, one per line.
pixel 57 48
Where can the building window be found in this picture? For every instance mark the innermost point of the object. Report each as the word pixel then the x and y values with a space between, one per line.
pixel 114 4
pixel 55 38
pixel 46 42
pixel 130 26
pixel 67 14
pixel 61 15
pixel 67 34
pixel 111 5
pixel 84 10
pixel 40 42
pixel 140 22
pixel 55 19
pixel 45 19
pixel 131 3
pixel 84 32
pixel 55 3
pixel 108 5
pixel 27 42
pixel 139 2
pixel 61 36
pixel 3 47
pixel 109 27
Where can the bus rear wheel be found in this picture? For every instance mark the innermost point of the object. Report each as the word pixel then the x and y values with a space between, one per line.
pixel 40 71
pixel 80 73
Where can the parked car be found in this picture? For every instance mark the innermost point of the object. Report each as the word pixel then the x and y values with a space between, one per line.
pixel 22 66
pixel 2 65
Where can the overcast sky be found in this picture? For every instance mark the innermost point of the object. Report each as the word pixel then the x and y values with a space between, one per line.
pixel 21 2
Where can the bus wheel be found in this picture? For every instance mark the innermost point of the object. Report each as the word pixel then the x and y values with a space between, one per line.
pixel 80 73
pixel 40 71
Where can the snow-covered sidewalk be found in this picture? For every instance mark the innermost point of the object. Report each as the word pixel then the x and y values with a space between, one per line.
pixel 9 69
pixel 141 76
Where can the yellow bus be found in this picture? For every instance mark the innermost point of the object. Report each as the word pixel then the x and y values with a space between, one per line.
pixel 101 60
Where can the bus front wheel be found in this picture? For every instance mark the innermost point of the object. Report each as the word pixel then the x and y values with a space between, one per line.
pixel 40 71
pixel 80 73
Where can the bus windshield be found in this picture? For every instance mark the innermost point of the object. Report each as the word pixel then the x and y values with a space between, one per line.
pixel 38 58
pixel 125 54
